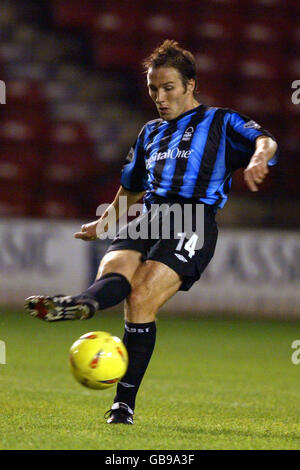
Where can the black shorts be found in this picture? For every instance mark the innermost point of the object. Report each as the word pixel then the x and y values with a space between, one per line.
pixel 175 252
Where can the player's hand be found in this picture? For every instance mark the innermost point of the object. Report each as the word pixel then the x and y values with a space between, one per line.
pixel 256 171
pixel 87 232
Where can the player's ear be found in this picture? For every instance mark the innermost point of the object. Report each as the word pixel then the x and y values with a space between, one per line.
pixel 191 85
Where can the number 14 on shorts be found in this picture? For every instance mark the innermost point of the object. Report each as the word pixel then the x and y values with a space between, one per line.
pixel 189 245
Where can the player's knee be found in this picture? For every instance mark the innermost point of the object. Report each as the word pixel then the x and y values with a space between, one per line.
pixel 140 306
pixel 108 266
pixel 139 297
pixel 119 262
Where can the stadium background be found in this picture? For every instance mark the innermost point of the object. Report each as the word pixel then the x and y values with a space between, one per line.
pixel 75 101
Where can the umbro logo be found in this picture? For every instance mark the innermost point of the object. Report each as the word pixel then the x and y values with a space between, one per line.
pixel 126 385
pixel 188 134
pixel 181 257
pixel 252 125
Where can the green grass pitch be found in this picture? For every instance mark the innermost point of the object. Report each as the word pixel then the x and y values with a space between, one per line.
pixel 212 383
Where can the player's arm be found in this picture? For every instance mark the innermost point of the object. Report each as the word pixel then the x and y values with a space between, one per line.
pixel 257 169
pixel 89 231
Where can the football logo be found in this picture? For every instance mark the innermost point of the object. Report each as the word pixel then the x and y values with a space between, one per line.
pixel 188 134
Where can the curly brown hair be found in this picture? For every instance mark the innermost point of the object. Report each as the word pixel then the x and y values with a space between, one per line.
pixel 171 54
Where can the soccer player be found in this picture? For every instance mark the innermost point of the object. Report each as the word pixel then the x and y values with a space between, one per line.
pixel 187 155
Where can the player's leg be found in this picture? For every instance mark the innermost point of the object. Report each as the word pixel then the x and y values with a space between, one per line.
pixel 167 270
pixel 111 286
pixel 152 285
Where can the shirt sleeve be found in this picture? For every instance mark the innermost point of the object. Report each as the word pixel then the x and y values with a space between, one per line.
pixel 134 173
pixel 241 135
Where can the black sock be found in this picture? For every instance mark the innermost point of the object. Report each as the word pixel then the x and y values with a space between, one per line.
pixel 139 339
pixel 108 291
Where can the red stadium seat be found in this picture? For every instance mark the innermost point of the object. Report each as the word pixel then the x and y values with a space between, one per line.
pixel 36 114
pixel 258 82
pixel 215 64
pixel 264 8
pixel 116 55
pixel 65 132
pixel 15 201
pixel 289 177
pixel 56 203
pixel 103 192
pixel 163 24
pixel 260 32
pixel 19 163
pixel 255 105
pixel 71 164
pixel 266 33
pixel 24 92
pixel 292 6
pixel 74 13
pixel 289 108
pixel 260 86
pixel 208 33
pixel 13 130
pixel 212 28
pixel 261 66
pixel 166 19
pixel 294 40
pixel 214 93
pixel 115 35
pixel 290 139
pixel 274 125
pixel 292 68
pixel 112 22
pixel 220 7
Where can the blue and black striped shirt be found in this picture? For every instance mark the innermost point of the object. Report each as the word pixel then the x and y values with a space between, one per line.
pixel 192 156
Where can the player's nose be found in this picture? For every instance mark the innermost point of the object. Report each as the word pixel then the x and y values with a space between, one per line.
pixel 160 97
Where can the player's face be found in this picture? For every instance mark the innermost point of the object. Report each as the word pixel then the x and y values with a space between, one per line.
pixel 168 92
